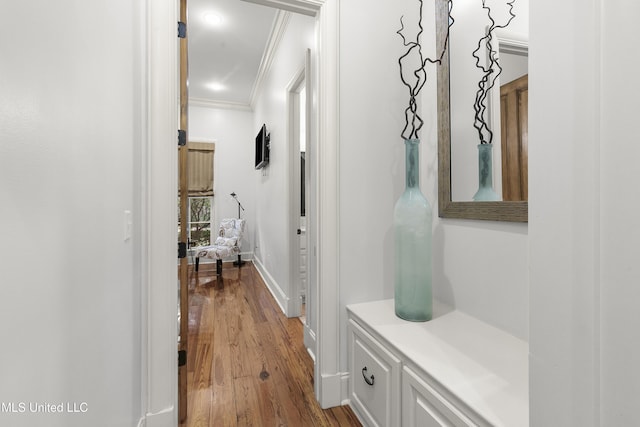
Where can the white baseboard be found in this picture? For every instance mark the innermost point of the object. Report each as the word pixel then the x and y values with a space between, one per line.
pixel 335 390
pixel 358 415
pixel 165 418
pixel 331 390
pixel 280 296
pixel 310 341
pixel 344 382
pixel 346 399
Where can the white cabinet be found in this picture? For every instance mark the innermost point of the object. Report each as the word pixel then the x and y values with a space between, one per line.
pixel 375 379
pixel 451 371
pixel 423 406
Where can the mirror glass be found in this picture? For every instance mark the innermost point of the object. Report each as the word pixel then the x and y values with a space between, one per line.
pixel 483 96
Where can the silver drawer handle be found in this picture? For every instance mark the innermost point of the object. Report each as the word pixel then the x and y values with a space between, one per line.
pixel 364 375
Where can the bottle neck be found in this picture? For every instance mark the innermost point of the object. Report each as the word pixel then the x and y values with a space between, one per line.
pixel 412 162
pixel 485 173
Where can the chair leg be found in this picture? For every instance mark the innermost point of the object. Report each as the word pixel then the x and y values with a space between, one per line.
pixel 239 262
pixel 218 266
pixel 197 263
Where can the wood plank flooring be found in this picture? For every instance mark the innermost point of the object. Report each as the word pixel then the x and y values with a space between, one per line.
pixel 247 365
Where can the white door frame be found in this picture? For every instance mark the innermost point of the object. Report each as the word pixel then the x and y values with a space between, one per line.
pixel 159 164
pixel 293 107
pixel 325 244
pixel 328 378
pixel 159 169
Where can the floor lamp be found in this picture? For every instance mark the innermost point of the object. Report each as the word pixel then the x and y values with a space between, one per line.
pixel 239 262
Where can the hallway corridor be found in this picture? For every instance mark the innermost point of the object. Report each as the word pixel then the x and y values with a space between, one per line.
pixel 247 365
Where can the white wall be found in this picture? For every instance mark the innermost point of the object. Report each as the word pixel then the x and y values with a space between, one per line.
pixel 271 183
pixel 371 169
pixel 233 132
pixel 479 267
pixel 619 232
pixel 69 140
pixel 70 129
pixel 583 240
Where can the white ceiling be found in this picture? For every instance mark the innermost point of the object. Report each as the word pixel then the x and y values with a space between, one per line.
pixel 229 53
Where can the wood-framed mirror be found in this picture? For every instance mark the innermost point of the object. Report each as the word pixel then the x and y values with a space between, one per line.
pixel 456 207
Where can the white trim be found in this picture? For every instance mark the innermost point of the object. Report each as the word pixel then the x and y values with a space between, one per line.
pixel 141 207
pixel 327 310
pixel 331 389
pixel 278 294
pixel 511 42
pixel 165 418
pixel 310 341
pixel 305 7
pixel 344 382
pixel 292 178
pixel 222 105
pixel 327 289
pixel 160 217
pixel 275 36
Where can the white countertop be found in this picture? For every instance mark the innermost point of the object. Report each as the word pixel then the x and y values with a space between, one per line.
pixel 483 366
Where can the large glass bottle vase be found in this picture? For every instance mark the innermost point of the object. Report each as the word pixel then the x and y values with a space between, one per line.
pixel 412 234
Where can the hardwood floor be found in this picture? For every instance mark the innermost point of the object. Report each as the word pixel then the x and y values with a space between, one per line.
pixel 246 364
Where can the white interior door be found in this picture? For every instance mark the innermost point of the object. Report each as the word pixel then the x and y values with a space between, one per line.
pixel 299 189
pixel 304 190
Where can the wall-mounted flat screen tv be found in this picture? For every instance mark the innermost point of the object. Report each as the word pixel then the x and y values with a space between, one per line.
pixel 262 148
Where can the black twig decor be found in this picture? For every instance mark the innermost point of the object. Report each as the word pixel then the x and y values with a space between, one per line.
pixel 490 73
pixel 417 77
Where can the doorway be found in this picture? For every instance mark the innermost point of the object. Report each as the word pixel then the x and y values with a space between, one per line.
pixel 300 150
pixel 161 298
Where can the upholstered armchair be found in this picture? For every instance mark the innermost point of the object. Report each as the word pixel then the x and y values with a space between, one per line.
pixel 226 244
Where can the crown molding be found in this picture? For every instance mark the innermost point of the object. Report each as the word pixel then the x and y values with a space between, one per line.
pixel 277 32
pixel 222 105
pixel 305 7
pixel 275 37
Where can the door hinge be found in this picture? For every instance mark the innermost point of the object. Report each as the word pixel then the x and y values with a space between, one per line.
pixel 182 357
pixel 182 250
pixel 182 30
pixel 182 138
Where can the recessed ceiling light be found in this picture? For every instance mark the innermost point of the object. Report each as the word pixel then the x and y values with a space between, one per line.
pixel 216 87
pixel 212 19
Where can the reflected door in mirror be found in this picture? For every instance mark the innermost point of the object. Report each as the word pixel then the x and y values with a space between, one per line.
pixel 514 98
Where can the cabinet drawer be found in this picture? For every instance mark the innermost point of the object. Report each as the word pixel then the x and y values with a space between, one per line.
pixel 423 406
pixel 374 380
